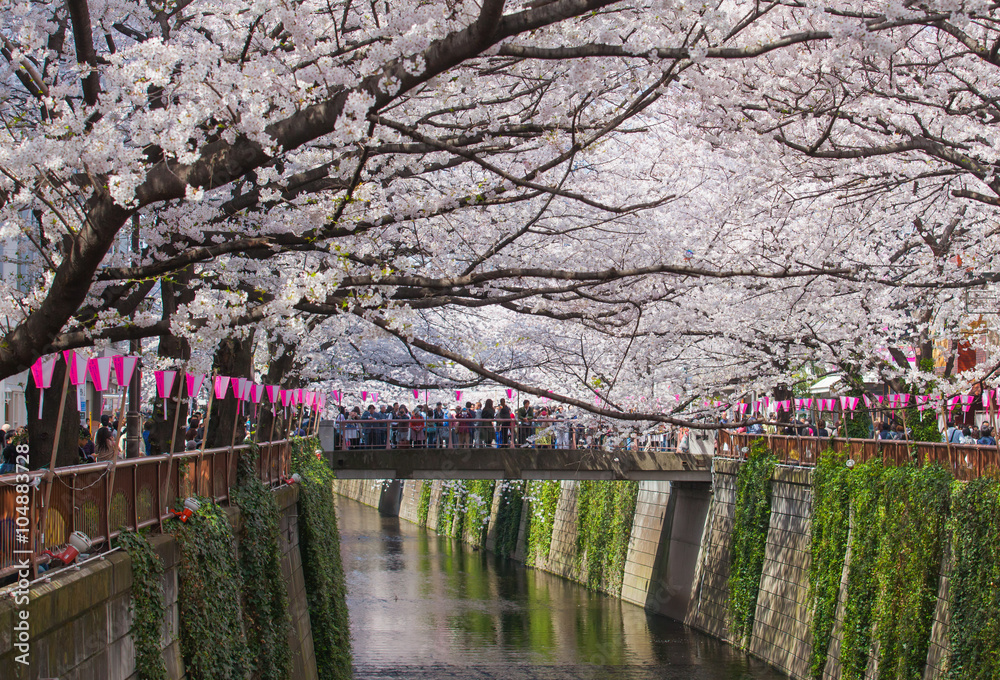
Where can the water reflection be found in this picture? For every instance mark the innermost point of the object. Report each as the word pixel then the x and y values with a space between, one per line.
pixel 427 607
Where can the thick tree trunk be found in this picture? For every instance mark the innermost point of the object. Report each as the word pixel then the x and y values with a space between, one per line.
pixel 233 358
pixel 41 431
pixel 783 393
pixel 162 438
pixel 277 374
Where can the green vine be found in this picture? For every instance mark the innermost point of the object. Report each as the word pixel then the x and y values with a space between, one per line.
pixel 451 505
pixel 865 483
pixel 213 643
pixel 605 512
pixel 508 520
pixel 830 529
pixel 543 499
pixel 975 598
pixel 148 608
pixel 915 515
pixel 319 543
pixel 424 505
pixel 264 596
pixel 478 504
pixel 749 537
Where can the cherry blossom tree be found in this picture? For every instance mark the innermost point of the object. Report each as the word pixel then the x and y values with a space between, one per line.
pixel 612 199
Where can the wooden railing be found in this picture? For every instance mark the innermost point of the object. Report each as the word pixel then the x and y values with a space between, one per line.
pixel 966 461
pixel 101 499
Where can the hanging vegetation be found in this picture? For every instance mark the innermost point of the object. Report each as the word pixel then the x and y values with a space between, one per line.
pixel 424 505
pixel 508 520
pixel 753 514
pixel 974 632
pixel 543 499
pixel 605 512
pixel 914 518
pixel 319 542
pixel 213 643
pixel 148 607
pixel 264 595
pixel 830 529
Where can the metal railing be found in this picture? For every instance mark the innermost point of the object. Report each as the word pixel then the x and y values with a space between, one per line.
pixel 462 433
pixel 101 499
pixel 966 461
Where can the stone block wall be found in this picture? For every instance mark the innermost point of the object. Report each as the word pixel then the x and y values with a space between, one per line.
pixel 561 559
pixel 781 633
pixel 300 639
pixel 410 505
pixel 648 528
pixel 80 621
pixel 710 596
pixel 79 625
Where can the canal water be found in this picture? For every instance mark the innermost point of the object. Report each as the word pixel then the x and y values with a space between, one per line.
pixel 425 607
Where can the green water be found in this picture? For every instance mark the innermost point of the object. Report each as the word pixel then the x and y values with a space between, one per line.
pixel 427 607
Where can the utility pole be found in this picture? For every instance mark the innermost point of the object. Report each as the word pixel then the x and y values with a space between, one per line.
pixel 133 439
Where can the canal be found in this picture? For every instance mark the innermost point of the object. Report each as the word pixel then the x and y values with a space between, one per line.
pixel 425 607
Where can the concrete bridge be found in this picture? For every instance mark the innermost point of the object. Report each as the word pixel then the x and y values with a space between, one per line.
pixel 520 463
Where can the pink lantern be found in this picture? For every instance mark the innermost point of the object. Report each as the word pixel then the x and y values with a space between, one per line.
pixel 42 371
pixel 124 368
pixel 286 397
pixel 164 385
pixel 364 395
pixel 221 386
pixel 416 394
pixel 510 393
pixel 458 395
pixel 77 365
pixel 100 372
pixel 256 393
pixel 194 382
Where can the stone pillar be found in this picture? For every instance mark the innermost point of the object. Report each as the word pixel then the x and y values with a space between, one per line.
pixel 392 494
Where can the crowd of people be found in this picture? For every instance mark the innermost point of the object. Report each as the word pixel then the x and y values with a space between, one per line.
pixel 885 430
pixel 474 425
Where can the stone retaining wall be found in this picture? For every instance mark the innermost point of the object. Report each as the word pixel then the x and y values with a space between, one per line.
pixel 679 554
pixel 80 621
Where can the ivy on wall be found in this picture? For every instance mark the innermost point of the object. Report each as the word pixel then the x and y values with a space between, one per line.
pixel 914 518
pixel 974 632
pixel 749 537
pixel 424 504
pixel 213 643
pixel 148 605
pixel 264 594
pixel 451 505
pixel 605 512
pixel 319 543
pixel 830 530
pixel 478 504
pixel 508 521
pixel 543 499
pixel 865 486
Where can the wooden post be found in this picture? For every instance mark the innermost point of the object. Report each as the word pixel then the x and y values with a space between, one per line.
pixel 50 475
pixel 236 419
pixel 177 408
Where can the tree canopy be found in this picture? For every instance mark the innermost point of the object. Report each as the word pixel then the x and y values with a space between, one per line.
pixel 585 196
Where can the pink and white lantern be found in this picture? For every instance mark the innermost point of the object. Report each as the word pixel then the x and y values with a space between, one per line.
pixel 42 371
pixel 164 386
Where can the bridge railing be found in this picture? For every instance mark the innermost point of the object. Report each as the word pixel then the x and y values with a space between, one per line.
pixel 459 433
pixel 966 461
pixel 101 499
